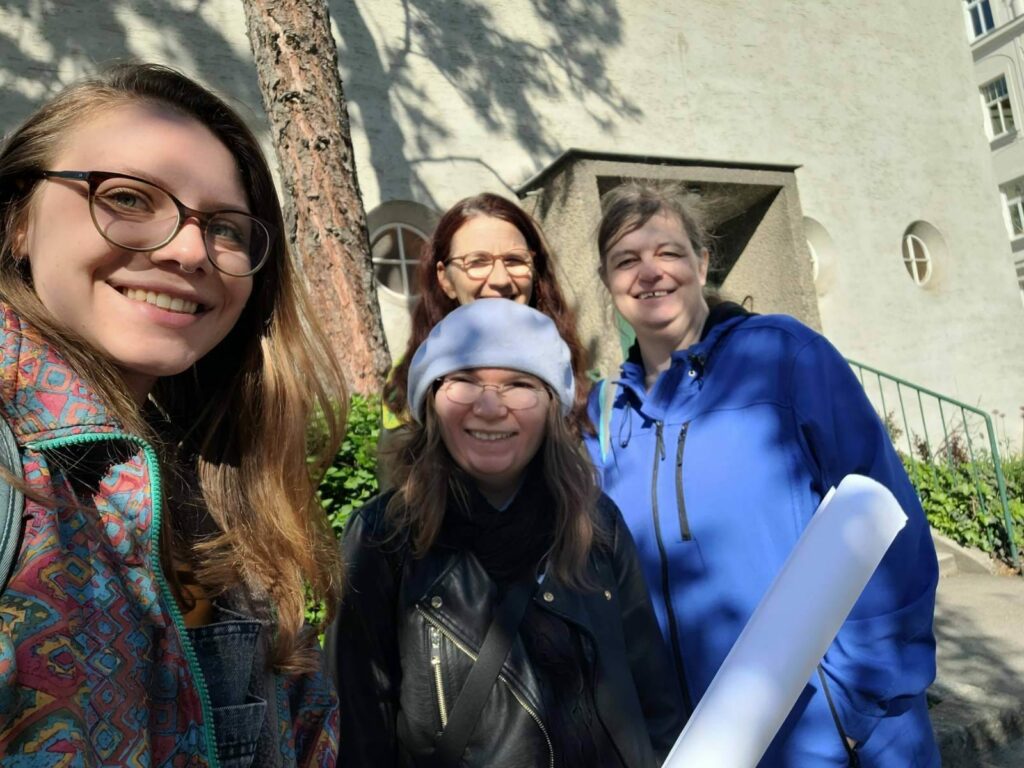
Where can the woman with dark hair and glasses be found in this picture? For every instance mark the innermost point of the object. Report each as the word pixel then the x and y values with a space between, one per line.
pixel 494 612
pixel 159 369
pixel 486 247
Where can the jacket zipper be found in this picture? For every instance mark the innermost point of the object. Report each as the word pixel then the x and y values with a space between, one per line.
pixel 673 629
pixel 529 710
pixel 172 604
pixel 684 523
pixel 435 662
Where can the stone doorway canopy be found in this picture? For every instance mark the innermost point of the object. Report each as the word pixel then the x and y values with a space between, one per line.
pixel 759 253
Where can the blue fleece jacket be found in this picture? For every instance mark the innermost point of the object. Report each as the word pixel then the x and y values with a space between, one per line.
pixel 717 470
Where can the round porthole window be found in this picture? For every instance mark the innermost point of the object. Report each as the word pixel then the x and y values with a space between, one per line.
pixel 398 231
pixel 395 251
pixel 917 259
pixel 923 251
pixel 823 256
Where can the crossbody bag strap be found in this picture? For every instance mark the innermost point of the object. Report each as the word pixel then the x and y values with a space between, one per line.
pixel 851 753
pixel 451 744
pixel 12 504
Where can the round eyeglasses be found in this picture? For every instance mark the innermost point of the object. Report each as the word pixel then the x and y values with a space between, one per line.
pixel 478 265
pixel 138 215
pixel 517 396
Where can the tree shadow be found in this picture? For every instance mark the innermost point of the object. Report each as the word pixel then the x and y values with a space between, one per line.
pixel 508 80
pixel 42 51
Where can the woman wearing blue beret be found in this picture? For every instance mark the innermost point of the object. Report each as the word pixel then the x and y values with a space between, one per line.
pixel 495 614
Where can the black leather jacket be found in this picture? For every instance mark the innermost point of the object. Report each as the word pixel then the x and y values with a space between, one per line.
pixel 409 629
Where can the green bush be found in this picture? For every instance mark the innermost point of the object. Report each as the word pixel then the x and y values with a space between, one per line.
pixel 961 500
pixel 351 480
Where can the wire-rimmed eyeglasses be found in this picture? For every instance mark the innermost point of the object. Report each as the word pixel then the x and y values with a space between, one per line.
pixel 138 215
pixel 516 396
pixel 478 265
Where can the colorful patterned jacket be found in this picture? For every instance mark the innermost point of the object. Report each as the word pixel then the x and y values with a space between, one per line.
pixel 95 665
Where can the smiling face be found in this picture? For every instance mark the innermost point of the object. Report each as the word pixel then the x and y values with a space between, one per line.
pixel 656 280
pixel 489 442
pixel 490 235
pixel 152 313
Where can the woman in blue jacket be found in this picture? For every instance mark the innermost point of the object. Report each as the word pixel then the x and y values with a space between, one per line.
pixel 718 441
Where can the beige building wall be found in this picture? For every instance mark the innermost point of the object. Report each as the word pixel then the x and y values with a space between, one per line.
pixel 875 104
pixel 998 54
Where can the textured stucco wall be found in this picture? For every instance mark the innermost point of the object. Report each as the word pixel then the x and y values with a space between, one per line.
pixel 47 45
pixel 876 103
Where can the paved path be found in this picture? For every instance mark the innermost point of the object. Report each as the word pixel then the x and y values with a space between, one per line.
pixel 979 625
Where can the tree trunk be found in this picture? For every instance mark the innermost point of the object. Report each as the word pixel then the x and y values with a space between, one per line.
pixel 297 65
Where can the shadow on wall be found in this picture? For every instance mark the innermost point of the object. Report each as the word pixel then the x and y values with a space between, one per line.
pixel 42 51
pixel 507 80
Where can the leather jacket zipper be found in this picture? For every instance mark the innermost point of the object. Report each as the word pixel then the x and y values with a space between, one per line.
pixel 515 694
pixel 666 591
pixel 435 662
pixel 684 523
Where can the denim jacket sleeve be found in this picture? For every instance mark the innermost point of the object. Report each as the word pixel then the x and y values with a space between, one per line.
pixel 884 654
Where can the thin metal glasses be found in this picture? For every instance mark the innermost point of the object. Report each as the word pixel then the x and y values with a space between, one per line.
pixel 516 396
pixel 138 215
pixel 478 265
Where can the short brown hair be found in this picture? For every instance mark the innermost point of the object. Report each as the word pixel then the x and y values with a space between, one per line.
pixel 632 204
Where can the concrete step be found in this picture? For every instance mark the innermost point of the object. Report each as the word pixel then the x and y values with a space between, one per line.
pixel 955 559
pixel 947 564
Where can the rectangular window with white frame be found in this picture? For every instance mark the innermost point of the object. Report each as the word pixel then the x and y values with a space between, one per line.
pixel 1013 194
pixel 979 17
pixel 1020 278
pixel 996 98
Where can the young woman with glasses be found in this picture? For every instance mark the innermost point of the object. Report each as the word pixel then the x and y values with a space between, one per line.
pixel 160 366
pixel 494 612
pixel 485 246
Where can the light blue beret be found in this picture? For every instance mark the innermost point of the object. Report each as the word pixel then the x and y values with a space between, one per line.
pixel 492 333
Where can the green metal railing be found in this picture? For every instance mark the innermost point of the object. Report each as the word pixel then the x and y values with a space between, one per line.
pixel 948 411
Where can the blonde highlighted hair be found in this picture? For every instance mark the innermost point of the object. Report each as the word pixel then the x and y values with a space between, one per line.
pixel 241 413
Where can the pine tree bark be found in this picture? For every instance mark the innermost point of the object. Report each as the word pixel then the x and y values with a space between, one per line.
pixel 297 64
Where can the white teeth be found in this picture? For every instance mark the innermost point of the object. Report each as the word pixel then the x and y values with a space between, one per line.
pixel 652 294
pixel 162 300
pixel 491 436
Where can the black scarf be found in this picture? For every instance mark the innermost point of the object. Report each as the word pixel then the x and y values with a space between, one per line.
pixel 509 543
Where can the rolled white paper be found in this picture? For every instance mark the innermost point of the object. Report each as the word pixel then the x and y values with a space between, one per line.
pixel 791 628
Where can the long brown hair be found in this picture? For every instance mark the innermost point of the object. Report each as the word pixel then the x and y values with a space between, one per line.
pixel 434 303
pixel 426 477
pixel 242 410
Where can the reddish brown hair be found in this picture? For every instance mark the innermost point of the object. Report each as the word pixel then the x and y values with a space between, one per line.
pixel 434 303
